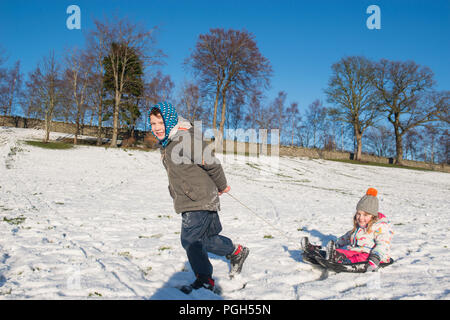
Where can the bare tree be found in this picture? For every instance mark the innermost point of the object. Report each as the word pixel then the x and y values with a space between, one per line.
pixel 96 49
pixel 302 133
pixel 48 85
pixel 333 131
pixel 411 143
pixel 278 111
pixel 122 40
pixel 43 91
pixel 77 75
pixel 405 90
pixel 257 116
pixel 11 89
pixel 431 135
pixel 379 139
pixel 32 104
pixel 443 147
pixel 293 114
pixel 315 116
pixel 235 110
pixel 191 102
pixel 2 61
pixel 228 61
pixel 159 88
pixel 350 89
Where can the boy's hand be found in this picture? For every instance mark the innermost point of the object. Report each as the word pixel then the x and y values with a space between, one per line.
pixel 224 191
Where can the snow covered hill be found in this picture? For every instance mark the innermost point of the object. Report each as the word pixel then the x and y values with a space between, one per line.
pixel 91 222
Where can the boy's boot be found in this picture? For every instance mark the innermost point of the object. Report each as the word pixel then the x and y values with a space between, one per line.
pixel 237 259
pixel 202 281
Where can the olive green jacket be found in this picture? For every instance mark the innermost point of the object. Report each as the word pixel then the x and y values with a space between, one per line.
pixel 195 175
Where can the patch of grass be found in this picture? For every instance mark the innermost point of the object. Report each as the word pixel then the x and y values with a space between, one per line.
pixel 95 294
pixel 92 142
pixel 301 180
pixel 268 236
pixel 154 236
pixel 164 248
pixel 376 164
pixel 6 292
pixel 13 151
pixel 146 271
pixel 253 165
pixel 49 145
pixel 15 221
pixel 125 254
pixel 283 175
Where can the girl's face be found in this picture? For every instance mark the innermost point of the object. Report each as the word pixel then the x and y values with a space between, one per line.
pixel 363 218
pixel 158 127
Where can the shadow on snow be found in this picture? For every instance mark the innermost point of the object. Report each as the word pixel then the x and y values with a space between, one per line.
pixel 169 290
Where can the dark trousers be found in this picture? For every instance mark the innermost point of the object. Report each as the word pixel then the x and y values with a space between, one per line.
pixel 200 235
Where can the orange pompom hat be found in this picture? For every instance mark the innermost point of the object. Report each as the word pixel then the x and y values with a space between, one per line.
pixel 372 192
pixel 369 202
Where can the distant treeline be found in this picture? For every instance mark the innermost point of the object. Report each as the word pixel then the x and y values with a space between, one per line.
pixel 386 108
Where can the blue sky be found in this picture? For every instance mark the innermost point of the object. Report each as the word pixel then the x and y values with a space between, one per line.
pixel 302 39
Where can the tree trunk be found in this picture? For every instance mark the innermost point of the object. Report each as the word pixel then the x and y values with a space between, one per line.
pixel 218 134
pixel 292 142
pixel 358 137
pixel 92 118
pixel 398 147
pixel 82 119
pixel 224 108
pixel 432 150
pixel 314 137
pixel 115 120
pixel 11 97
pixel 100 118
pixel 77 127
pixel 216 105
pixel 47 126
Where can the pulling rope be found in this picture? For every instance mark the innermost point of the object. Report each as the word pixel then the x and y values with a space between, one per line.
pixel 284 234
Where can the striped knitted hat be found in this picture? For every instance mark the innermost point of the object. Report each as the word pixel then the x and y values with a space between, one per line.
pixel 170 118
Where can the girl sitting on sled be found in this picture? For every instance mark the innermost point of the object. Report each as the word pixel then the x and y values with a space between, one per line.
pixel 364 248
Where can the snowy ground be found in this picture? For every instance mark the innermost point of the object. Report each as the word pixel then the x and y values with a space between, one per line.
pixel 91 222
